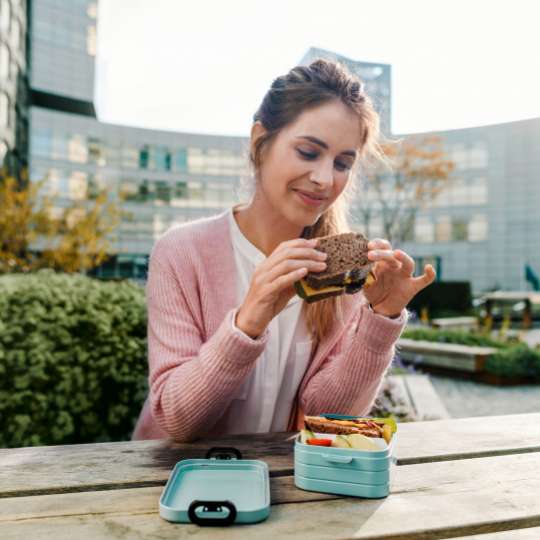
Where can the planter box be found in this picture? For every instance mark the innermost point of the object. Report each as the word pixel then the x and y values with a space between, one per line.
pixel 444 355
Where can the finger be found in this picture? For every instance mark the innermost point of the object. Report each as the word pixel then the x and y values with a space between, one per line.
pixel 426 278
pixel 383 255
pixel 289 265
pixel 297 253
pixel 286 280
pixel 407 262
pixel 297 242
pixel 379 243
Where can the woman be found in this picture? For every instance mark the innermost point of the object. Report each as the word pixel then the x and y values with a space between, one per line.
pixel 232 349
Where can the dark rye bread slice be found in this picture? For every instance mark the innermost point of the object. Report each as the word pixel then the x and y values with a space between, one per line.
pixel 346 262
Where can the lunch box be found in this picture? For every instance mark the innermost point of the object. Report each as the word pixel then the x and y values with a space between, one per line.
pixel 220 490
pixel 343 471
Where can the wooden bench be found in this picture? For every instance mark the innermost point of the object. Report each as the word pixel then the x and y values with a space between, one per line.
pixel 444 355
pixel 455 323
pixel 419 394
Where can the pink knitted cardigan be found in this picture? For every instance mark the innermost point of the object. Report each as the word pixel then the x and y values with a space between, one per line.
pixel 197 360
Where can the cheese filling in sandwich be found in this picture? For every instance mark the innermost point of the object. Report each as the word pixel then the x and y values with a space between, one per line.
pixel 347 268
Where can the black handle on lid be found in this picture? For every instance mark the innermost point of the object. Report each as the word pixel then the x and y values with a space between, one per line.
pixel 223 452
pixel 212 506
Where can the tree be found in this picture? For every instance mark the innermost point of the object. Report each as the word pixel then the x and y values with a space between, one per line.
pixel 36 232
pixel 416 171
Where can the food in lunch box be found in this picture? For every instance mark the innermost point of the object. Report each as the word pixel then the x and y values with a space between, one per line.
pixel 319 442
pixel 347 268
pixel 376 428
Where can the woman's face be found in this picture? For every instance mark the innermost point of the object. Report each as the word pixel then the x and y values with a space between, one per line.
pixel 308 165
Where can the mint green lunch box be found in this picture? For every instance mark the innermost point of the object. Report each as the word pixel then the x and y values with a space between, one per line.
pixel 343 471
pixel 216 491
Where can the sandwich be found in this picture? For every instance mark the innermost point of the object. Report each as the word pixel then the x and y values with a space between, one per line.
pixel 351 430
pixel 347 268
pixel 320 424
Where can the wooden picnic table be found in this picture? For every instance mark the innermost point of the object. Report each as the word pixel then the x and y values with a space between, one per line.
pixel 460 478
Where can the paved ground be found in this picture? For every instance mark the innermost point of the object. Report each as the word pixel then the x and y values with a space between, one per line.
pixel 466 398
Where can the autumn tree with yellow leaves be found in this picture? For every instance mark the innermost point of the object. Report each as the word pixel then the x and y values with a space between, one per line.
pixel 417 169
pixel 36 232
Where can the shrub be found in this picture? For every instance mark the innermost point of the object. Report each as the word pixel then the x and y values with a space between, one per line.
pixel 461 337
pixel 72 359
pixel 517 361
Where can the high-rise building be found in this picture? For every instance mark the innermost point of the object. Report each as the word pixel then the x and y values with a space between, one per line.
pixel 375 76
pixel 158 177
pixel 13 85
pixel 484 228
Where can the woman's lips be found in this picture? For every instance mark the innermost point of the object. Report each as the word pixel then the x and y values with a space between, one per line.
pixel 310 200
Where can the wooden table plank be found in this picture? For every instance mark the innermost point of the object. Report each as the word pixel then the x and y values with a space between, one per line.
pixel 131 500
pixel 428 501
pixel 532 533
pixel 58 469
pixel 461 438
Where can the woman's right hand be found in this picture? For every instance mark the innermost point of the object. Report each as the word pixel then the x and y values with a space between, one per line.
pixel 272 284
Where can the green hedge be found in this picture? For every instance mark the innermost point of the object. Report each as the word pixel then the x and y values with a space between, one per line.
pixel 72 359
pixel 461 337
pixel 517 361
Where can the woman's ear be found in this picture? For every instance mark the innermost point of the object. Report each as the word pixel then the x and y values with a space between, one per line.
pixel 257 131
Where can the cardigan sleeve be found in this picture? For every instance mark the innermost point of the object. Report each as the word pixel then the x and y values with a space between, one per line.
pixel 191 382
pixel 349 378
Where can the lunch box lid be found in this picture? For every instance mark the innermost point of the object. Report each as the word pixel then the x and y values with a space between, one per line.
pixel 221 489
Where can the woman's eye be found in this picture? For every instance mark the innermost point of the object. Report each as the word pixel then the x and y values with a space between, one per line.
pixel 307 155
pixel 342 166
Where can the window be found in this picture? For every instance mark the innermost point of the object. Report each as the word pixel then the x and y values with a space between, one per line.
pixel 162 158
pixel 163 191
pixel 59 146
pixel 130 157
pixel 478 191
pixel 443 229
pixel 41 143
pixel 181 190
pixel 424 230
pixel 459 192
pixel 459 230
pixel 4 61
pixel 77 149
pixel 195 190
pixel 91 40
pixel 144 157
pixel 4 110
pixel 92 10
pixel 78 185
pixel 180 160
pixel 96 152
pixel 479 156
pixel 478 228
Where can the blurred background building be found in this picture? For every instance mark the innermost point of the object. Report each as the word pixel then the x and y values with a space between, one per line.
pixel 13 84
pixel 485 228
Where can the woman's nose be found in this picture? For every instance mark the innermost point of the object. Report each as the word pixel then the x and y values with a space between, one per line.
pixel 322 175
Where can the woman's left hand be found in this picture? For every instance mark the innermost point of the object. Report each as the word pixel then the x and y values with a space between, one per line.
pixel 395 284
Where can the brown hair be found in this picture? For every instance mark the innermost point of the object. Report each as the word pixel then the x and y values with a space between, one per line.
pixel 307 87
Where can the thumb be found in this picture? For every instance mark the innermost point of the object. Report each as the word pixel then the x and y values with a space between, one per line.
pixel 426 278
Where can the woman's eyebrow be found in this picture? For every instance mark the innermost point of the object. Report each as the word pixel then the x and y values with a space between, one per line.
pixel 322 144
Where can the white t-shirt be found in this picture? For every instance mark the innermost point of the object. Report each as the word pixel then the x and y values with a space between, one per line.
pixel 264 401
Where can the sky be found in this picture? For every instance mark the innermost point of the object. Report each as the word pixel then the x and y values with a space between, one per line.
pixel 203 66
